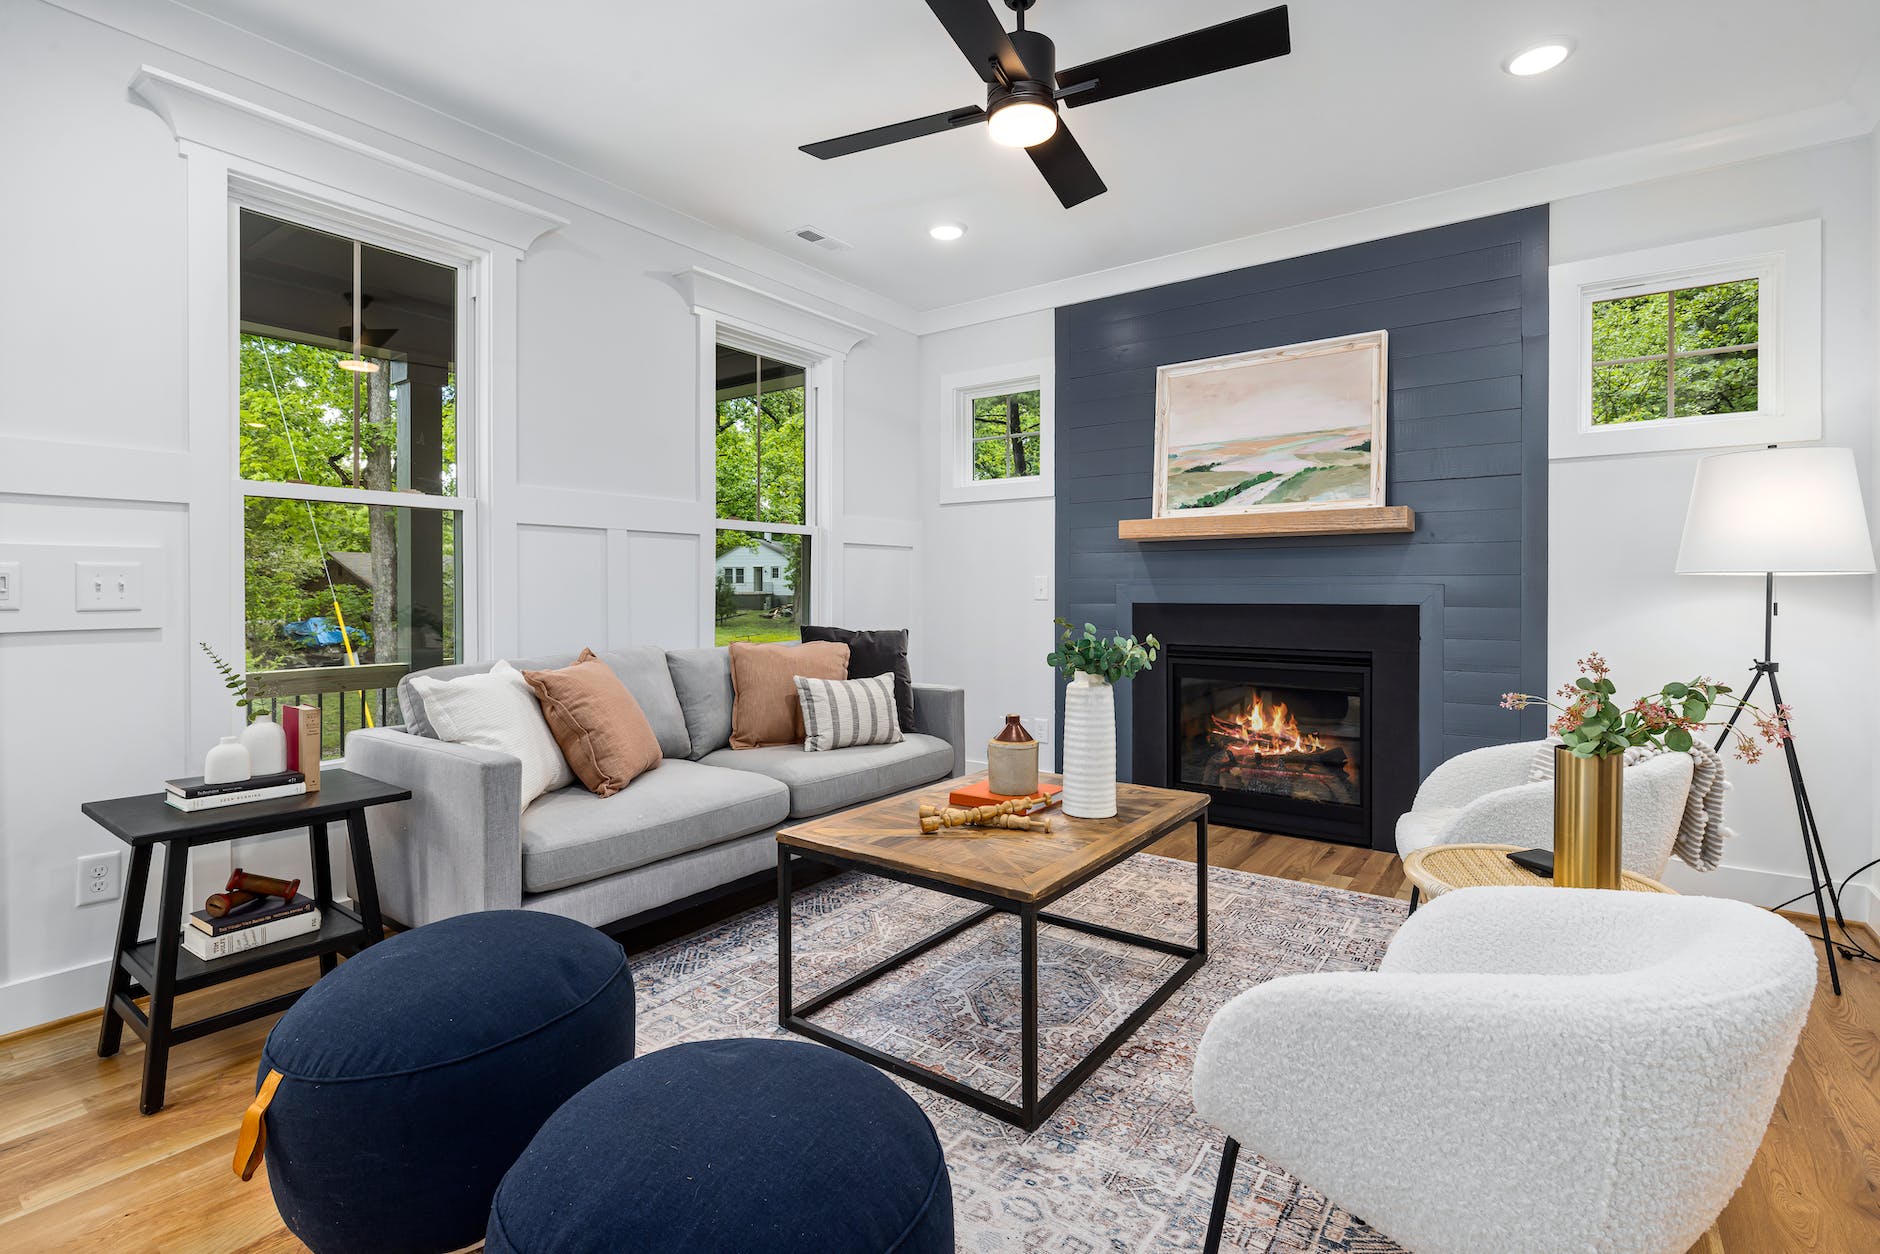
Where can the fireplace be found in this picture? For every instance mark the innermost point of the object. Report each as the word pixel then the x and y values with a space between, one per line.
pixel 1293 719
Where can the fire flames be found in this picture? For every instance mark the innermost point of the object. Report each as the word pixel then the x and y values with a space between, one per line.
pixel 1263 731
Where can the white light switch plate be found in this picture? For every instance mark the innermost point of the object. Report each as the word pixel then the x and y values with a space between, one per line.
pixel 10 591
pixel 105 587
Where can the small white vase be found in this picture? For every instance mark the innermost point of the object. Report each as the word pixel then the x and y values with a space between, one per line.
pixel 267 746
pixel 1089 748
pixel 227 762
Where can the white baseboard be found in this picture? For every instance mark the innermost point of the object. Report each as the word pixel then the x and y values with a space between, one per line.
pixel 1859 904
pixel 41 999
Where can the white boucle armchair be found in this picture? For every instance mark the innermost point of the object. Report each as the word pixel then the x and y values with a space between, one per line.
pixel 1484 796
pixel 1531 1069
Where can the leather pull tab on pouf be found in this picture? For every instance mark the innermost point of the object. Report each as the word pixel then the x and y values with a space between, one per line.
pixel 411 1078
pixel 731 1147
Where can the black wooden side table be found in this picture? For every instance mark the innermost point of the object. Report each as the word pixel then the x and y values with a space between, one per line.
pixel 163 968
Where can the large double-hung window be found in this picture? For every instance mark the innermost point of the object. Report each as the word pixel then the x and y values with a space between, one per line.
pixel 761 416
pixel 353 517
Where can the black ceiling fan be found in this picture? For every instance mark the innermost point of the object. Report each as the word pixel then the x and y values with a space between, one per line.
pixel 1024 87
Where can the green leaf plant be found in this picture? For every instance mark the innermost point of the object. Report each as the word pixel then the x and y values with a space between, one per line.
pixel 1590 722
pixel 232 679
pixel 1109 658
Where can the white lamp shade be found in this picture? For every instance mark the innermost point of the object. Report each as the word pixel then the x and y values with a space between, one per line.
pixel 1790 511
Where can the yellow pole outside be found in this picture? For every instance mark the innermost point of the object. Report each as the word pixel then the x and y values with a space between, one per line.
pixel 345 638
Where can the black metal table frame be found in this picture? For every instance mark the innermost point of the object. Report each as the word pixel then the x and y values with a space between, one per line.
pixel 1035 1108
pixel 132 977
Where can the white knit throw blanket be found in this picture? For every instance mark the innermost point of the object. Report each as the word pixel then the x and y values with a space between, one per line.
pixel 1701 832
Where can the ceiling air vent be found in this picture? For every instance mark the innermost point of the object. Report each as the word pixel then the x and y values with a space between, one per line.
pixel 822 239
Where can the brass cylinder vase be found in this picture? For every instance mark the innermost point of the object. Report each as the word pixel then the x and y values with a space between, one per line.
pixel 1589 804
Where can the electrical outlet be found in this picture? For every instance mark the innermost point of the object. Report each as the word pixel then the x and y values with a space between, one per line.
pixel 100 878
pixel 1039 725
pixel 9 585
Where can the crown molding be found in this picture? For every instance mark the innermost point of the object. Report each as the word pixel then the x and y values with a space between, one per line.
pixel 1765 137
pixel 223 53
pixel 720 295
pixel 210 118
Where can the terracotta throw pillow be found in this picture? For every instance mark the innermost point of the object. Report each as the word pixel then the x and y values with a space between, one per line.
pixel 600 727
pixel 764 705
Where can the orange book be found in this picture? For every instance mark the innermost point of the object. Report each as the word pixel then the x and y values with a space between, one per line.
pixel 969 795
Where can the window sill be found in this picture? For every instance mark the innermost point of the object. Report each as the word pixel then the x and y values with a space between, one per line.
pixel 1031 488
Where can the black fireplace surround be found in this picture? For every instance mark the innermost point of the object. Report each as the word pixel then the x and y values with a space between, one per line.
pixel 1295 719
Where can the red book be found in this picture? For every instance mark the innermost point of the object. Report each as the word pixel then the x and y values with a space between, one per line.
pixel 301 723
pixel 968 795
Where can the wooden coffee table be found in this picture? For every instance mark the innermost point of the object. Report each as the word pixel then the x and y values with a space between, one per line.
pixel 1018 873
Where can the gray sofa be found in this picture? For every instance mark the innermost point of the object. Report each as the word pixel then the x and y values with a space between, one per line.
pixel 703 819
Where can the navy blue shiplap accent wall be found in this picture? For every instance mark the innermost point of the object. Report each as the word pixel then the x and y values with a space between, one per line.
pixel 1466 308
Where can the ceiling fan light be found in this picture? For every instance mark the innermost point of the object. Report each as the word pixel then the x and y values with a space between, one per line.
pixel 1022 123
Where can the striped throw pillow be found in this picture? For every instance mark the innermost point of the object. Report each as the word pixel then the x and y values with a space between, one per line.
pixel 838 713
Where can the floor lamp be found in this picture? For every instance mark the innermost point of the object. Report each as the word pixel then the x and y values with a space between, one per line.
pixel 1781 511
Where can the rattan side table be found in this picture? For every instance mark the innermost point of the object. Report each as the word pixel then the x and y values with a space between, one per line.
pixel 1436 869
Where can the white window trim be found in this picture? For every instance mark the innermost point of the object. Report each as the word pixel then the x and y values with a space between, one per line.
pixel 957 393
pixel 1786 263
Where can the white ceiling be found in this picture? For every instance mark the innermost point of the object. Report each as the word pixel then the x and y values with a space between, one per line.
pixel 701 106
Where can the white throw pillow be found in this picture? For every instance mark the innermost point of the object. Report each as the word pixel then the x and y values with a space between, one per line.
pixel 497 710
pixel 838 713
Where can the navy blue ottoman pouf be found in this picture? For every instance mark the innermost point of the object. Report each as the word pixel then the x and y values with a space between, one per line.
pixel 415 1075
pixel 718 1147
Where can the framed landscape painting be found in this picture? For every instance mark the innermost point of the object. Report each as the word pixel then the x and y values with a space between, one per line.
pixel 1277 429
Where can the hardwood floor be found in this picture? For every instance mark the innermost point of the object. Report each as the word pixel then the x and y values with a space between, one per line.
pixel 81 1169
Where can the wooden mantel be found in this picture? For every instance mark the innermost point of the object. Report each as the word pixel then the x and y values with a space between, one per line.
pixel 1307 522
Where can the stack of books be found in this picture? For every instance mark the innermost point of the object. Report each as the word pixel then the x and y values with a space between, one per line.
pixel 978 794
pixel 209 937
pixel 193 794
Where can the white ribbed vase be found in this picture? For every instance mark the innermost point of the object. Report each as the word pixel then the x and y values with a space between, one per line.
pixel 1089 748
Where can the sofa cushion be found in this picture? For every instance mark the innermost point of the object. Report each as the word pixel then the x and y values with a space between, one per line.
pixel 498 711
pixel 879 652
pixel 702 678
pixel 765 709
pixel 572 836
pixel 641 668
pixel 600 727
pixel 821 782
pixel 411 701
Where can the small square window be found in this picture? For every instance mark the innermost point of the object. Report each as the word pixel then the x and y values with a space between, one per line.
pixel 1006 435
pixel 999 433
pixel 1685 353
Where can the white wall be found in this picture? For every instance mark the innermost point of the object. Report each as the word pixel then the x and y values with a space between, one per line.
pixel 1615 524
pixel 606 529
pixel 983 626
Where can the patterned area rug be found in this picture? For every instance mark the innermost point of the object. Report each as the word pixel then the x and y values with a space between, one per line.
pixel 1125 1164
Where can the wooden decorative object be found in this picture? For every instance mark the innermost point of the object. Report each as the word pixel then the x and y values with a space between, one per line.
pixel 1006 816
pixel 1381 519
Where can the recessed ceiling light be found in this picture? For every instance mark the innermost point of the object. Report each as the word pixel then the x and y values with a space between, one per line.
pixel 946 232
pixel 1537 60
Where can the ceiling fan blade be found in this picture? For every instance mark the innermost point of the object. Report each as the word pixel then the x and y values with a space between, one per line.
pixel 1062 161
pixel 976 29
pixel 881 136
pixel 1256 37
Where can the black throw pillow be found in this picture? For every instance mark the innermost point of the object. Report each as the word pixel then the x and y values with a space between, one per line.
pixel 874 653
